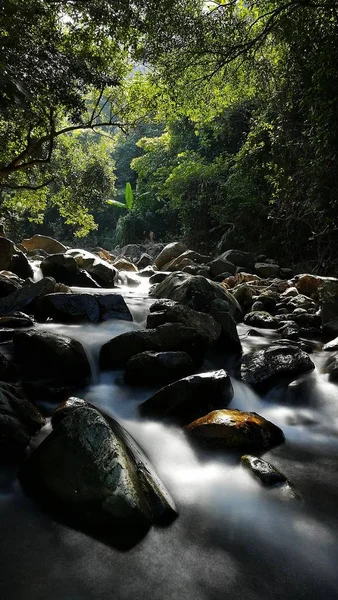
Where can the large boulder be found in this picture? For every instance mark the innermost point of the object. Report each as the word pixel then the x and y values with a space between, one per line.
pixel 236 430
pixel 162 312
pixel 266 367
pixel 122 264
pixel 221 265
pixel 51 366
pixel 101 271
pixel 168 337
pixel 267 270
pixel 77 308
pixel 197 292
pixel 90 468
pixel 62 267
pixel 239 258
pixel 189 257
pixel 26 295
pixel 308 284
pixel 190 397
pixel 158 367
pixel 43 242
pixel 168 253
pixel 144 261
pixel 19 421
pixel 8 284
pixel 12 259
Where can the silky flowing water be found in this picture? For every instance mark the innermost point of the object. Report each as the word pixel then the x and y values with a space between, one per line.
pixel 233 539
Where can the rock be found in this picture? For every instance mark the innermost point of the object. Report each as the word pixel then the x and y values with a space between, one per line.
pixel 102 271
pixel 243 294
pixel 147 272
pixel 331 367
pixel 267 270
pixel 257 307
pixel 266 367
pixel 269 299
pixel 240 277
pixel 331 346
pixel 239 258
pixel 219 278
pixel 290 292
pixel 144 261
pixel 308 285
pixel 135 251
pixel 8 372
pixel 77 308
pixel 8 285
pixel 16 320
pixel 219 310
pixel 290 331
pixel 43 242
pixel 124 265
pixel 189 257
pixel 204 324
pixel 92 469
pixel 24 296
pixel 197 292
pixel 261 319
pixel 190 397
pixel 62 267
pixel 267 474
pixel 301 301
pixel 158 367
pixel 236 430
pixel 158 277
pixel 221 265
pixel 307 320
pixel 165 338
pixel 52 365
pixel 168 253
pixel 84 280
pixel 19 421
pixel 12 259
pixel 104 254
pixel 286 273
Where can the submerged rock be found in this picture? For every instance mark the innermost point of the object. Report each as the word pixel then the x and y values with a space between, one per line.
pixel 158 367
pixel 266 367
pixel 19 421
pixel 236 430
pixel 169 337
pixel 49 364
pixel 190 397
pixel 264 471
pixel 90 467
pixel 77 308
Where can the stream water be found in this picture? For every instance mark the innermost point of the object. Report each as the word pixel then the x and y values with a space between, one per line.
pixel 233 539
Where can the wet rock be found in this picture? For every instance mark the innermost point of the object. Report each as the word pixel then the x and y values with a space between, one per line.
pixel 236 430
pixel 187 258
pixel 202 323
pixel 144 261
pixel 267 270
pixel 20 420
pixel 134 251
pixel 331 367
pixel 158 367
pixel 147 272
pixel 239 258
pixel 307 320
pixel 165 338
pixel 289 331
pixel 101 271
pixel 190 397
pixel 197 292
pixel 8 285
pixel 261 319
pixel 12 259
pixel 219 310
pixel 219 278
pixel 302 301
pixel 221 265
pixel 62 267
pixel 77 308
pixel 122 264
pixel 16 320
pixel 308 285
pixel 331 346
pixel 85 280
pixel 243 294
pixel 266 367
pixel 168 253
pixel 50 365
pixel 90 467
pixel 267 474
pixel 8 372
pixel 257 307
pixel 43 242
pixel 159 277
pixel 24 296
pixel 290 292
pixel 240 277
pixel 269 300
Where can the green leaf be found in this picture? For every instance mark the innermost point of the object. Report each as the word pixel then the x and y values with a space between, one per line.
pixel 116 203
pixel 129 196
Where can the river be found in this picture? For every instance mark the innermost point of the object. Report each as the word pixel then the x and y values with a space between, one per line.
pixel 233 539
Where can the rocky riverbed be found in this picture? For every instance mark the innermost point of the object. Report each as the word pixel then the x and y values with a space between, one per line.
pixel 220 370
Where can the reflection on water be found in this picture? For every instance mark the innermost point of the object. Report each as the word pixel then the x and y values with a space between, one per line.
pixel 233 538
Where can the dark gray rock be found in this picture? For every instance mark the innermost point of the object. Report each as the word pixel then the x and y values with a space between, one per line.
pixel 190 397
pixel 24 296
pixel 219 310
pixel 77 308
pixel 8 372
pixel 331 367
pixel 239 258
pixel 8 285
pixel 19 421
pixel 266 367
pixel 50 365
pixel 169 252
pixel 145 261
pixel 12 259
pixel 201 322
pixel 331 346
pixel 267 474
pixel 85 280
pixel 221 265
pixel 62 267
pixel 159 277
pixel 158 367
pixel 261 319
pixel 169 337
pixel 16 321
pixel 92 469
pixel 266 270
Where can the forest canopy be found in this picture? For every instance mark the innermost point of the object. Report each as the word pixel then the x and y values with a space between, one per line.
pixel 222 116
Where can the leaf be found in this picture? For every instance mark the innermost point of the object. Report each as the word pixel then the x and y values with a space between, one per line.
pixel 129 196
pixel 116 203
